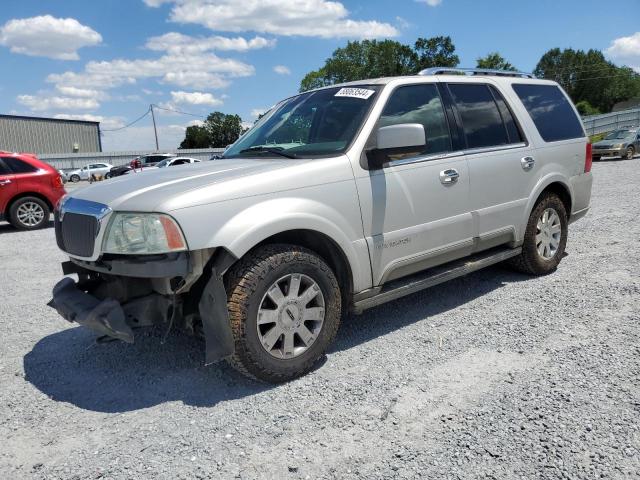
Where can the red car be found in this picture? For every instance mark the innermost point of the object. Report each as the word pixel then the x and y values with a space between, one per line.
pixel 29 189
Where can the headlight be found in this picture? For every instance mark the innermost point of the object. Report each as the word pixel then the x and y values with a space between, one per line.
pixel 619 145
pixel 143 233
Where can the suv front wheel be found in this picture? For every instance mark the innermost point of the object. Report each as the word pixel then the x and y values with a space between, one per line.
pixel 545 238
pixel 284 305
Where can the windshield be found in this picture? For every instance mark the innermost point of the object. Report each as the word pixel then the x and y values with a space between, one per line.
pixel 323 122
pixel 163 163
pixel 618 135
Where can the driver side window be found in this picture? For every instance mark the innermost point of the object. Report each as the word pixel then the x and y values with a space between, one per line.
pixel 419 104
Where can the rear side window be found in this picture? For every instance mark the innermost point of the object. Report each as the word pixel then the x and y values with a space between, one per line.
pixel 550 111
pixel 18 166
pixel 481 119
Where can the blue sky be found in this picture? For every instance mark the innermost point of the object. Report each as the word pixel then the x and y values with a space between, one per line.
pixel 109 60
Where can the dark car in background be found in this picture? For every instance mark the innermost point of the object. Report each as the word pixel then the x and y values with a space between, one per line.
pixel 29 190
pixel 623 143
pixel 139 162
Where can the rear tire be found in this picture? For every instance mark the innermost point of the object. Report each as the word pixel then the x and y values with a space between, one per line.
pixel 545 238
pixel 276 298
pixel 29 213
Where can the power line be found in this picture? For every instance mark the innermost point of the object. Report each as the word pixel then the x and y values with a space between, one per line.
pixel 178 111
pixel 129 124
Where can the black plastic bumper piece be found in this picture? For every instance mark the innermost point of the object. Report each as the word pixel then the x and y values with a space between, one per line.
pixel 104 317
pixel 215 320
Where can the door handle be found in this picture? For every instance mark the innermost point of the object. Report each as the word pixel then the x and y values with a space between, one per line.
pixel 449 176
pixel 527 163
pixel 4 182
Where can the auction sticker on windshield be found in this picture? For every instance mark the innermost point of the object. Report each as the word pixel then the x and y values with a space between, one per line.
pixel 363 93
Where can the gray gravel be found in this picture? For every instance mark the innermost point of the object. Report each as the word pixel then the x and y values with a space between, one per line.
pixel 496 375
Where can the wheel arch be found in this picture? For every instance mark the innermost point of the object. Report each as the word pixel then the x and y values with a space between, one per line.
pixel 325 247
pixel 551 184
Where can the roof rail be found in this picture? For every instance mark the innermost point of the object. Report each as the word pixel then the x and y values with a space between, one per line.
pixel 474 71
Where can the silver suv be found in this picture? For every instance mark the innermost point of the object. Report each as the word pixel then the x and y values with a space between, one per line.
pixel 337 200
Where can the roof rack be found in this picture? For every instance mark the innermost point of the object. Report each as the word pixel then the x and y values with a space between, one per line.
pixel 474 71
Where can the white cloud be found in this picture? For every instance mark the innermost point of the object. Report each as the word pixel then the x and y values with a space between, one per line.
pixel 105 122
pixel 195 98
pixel 431 3
pixel 177 43
pixel 282 70
pixel 81 92
pixel 626 50
pixel 47 36
pixel 195 70
pixel 41 103
pixel 309 18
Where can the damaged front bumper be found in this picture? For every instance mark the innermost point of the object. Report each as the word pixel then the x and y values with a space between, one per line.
pixel 115 305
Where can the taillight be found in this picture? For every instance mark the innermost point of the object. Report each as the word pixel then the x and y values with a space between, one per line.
pixel 588 159
pixel 56 181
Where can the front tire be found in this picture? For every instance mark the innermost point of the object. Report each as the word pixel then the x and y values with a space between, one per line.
pixel 284 305
pixel 75 178
pixel 29 213
pixel 545 238
pixel 630 153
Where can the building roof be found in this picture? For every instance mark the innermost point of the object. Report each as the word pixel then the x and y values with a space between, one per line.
pixel 24 117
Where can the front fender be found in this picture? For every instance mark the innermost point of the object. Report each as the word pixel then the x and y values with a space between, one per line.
pixel 246 223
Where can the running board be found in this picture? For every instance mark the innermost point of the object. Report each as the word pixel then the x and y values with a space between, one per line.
pixel 433 276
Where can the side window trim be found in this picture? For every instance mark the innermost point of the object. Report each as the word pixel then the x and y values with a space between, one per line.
pixel 495 92
pixel 473 150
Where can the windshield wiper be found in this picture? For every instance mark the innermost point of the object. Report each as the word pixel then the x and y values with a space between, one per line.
pixel 269 150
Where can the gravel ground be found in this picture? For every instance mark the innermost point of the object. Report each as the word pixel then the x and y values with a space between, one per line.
pixel 496 375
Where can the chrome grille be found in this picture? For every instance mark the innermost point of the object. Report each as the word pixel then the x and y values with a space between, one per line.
pixel 77 225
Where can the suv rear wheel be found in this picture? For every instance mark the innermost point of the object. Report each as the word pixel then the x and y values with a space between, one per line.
pixel 284 305
pixel 545 238
pixel 29 213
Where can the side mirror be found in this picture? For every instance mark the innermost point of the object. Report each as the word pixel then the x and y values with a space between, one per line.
pixel 396 139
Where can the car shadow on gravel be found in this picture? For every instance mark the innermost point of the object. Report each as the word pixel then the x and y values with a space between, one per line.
pixel 8 228
pixel 379 321
pixel 69 366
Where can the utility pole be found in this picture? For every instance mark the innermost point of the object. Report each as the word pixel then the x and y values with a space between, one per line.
pixel 155 130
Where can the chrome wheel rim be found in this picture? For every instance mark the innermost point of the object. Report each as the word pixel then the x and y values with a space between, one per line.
pixel 629 153
pixel 548 234
pixel 30 214
pixel 291 316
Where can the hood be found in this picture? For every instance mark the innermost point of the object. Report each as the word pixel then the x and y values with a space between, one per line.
pixel 167 189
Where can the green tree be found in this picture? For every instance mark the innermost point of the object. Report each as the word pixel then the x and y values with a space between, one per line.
pixel 217 131
pixel 363 59
pixel 195 137
pixel 585 108
pixel 588 76
pixel 359 60
pixel 436 52
pixel 495 61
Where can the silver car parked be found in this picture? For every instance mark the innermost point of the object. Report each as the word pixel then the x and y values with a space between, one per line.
pixel 337 200
pixel 624 143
